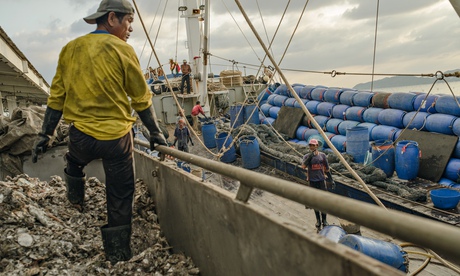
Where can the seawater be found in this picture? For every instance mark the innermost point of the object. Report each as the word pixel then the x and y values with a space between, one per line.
pixel 440 88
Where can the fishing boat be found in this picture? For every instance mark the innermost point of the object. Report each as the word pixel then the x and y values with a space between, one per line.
pixel 224 232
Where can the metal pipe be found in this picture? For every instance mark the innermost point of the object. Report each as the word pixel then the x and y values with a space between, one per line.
pixel 440 237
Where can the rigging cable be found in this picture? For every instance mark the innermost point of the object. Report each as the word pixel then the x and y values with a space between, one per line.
pixel 375 44
pixel 150 29
pixel 166 79
pixel 156 36
pixel 336 152
pixel 241 30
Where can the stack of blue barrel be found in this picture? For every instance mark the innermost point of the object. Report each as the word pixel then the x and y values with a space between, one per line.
pixel 384 115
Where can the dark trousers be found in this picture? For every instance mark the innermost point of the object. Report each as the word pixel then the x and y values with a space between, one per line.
pixel 185 78
pixel 117 159
pixel 322 186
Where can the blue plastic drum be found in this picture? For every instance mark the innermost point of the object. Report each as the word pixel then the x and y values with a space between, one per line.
pixel 209 132
pixel 407 159
pixel 250 152
pixel 224 140
pixel 358 143
pixel 383 156
pixel 386 252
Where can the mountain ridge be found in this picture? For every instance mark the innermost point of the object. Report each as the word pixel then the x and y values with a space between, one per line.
pixel 398 81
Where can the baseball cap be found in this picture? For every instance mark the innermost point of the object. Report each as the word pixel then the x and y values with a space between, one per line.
pixel 122 6
pixel 184 60
pixel 313 142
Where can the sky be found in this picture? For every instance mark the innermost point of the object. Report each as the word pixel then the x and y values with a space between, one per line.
pixel 412 36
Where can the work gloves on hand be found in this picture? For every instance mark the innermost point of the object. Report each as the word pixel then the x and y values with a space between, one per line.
pixel 51 120
pixel 149 119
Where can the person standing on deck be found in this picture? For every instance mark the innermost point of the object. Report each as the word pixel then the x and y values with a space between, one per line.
pixel 96 74
pixel 186 71
pixel 317 166
pixel 182 136
pixel 196 110
pixel 174 66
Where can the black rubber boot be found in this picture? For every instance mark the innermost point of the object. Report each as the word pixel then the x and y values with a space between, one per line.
pixel 116 242
pixel 75 188
pixel 323 217
pixel 318 220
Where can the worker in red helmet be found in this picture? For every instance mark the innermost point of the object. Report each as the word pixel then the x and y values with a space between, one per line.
pixel 317 166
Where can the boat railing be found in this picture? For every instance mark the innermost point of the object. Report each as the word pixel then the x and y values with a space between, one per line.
pixel 443 238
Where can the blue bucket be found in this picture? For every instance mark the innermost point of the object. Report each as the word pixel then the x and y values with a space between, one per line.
pixel 452 171
pixel 370 127
pixel 419 122
pixel 317 94
pixel 305 91
pixel 346 97
pixel 250 152
pixel 312 106
pixel 441 123
pixel 339 142
pixel 447 104
pixel 273 112
pixel 325 109
pixel 358 143
pixel 236 116
pixel 386 252
pixel 380 100
pixel 346 125
pixel 332 95
pixel 254 118
pixel 339 111
pixel 355 113
pixel 230 155
pixel 333 125
pixel 402 100
pixel 382 132
pixel 425 103
pixel 371 115
pixel 392 117
pixel 265 108
pixel 333 233
pixel 363 98
pixel 407 159
pixel 300 132
pixel 209 132
pixel 383 156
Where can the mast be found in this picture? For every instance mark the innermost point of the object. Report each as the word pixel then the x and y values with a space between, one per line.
pixel 456 5
pixel 197 44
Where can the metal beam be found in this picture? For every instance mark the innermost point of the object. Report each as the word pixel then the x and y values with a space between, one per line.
pixel 443 238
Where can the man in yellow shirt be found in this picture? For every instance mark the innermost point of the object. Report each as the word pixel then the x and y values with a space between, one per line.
pixel 96 74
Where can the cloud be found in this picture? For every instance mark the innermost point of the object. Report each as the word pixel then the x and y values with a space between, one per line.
pixel 413 36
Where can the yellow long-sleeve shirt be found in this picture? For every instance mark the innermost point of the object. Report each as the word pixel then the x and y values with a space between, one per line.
pixel 95 75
